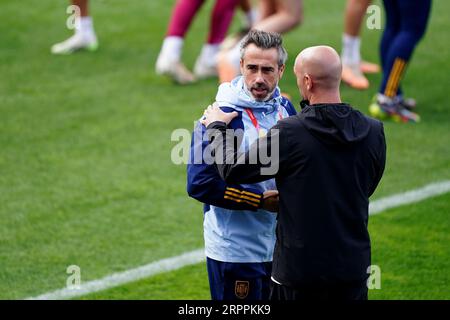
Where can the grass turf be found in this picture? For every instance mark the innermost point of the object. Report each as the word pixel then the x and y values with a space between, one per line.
pixel 409 245
pixel 85 170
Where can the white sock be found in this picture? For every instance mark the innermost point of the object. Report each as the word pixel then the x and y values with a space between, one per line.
pixel 85 27
pixel 250 18
pixel 208 55
pixel 171 48
pixel 351 50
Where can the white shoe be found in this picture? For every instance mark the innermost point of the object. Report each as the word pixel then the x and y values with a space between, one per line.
pixel 204 71
pixel 74 43
pixel 175 70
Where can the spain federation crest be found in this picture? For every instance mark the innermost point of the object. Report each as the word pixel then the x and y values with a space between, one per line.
pixel 241 289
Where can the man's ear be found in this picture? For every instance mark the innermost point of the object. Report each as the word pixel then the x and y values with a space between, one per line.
pixel 308 82
pixel 242 66
pixel 281 70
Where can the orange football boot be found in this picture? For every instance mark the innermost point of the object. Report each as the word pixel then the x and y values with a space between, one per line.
pixel 352 75
pixel 369 67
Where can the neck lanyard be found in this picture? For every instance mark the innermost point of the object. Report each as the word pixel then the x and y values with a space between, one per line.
pixel 255 121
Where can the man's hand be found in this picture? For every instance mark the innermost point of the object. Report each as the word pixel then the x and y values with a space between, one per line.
pixel 270 200
pixel 213 113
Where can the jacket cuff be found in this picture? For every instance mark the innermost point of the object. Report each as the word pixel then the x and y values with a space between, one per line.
pixel 243 196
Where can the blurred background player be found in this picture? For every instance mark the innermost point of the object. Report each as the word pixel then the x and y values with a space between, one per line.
pixel 278 16
pixel 406 22
pixel 84 37
pixel 169 59
pixel 353 68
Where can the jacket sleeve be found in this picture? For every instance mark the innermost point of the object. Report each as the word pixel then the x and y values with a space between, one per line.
pixel 261 162
pixel 380 160
pixel 287 104
pixel 205 184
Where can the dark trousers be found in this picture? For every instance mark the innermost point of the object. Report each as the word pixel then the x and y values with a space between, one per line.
pixel 320 291
pixel 239 281
pixel 406 22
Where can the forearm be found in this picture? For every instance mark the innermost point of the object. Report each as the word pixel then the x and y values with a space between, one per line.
pixel 205 184
pixel 234 166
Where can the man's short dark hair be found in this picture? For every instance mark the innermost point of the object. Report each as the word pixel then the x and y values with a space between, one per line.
pixel 265 40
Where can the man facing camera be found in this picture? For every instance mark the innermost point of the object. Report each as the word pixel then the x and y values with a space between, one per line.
pixel 239 225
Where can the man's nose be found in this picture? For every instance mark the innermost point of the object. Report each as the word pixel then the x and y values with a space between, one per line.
pixel 259 78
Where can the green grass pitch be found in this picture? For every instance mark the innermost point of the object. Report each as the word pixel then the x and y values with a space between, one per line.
pixel 85 170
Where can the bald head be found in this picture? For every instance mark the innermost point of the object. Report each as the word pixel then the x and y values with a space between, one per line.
pixel 321 65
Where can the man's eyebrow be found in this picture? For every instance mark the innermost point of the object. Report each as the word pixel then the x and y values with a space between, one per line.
pixel 266 68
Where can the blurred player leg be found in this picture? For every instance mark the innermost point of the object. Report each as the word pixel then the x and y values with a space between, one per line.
pixel 225 70
pixel 221 17
pixel 355 12
pixel 287 15
pixel 84 37
pixel 390 32
pixel 352 65
pixel 251 14
pixel 169 59
pixel 266 8
pixel 412 17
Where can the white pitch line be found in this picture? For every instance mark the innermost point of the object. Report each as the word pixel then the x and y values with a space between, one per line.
pixel 198 256
pixel 413 196
pixel 127 276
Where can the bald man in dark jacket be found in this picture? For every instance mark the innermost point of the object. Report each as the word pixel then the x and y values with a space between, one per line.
pixel 327 162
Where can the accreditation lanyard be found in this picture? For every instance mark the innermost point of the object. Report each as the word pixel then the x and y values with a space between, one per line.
pixel 255 121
